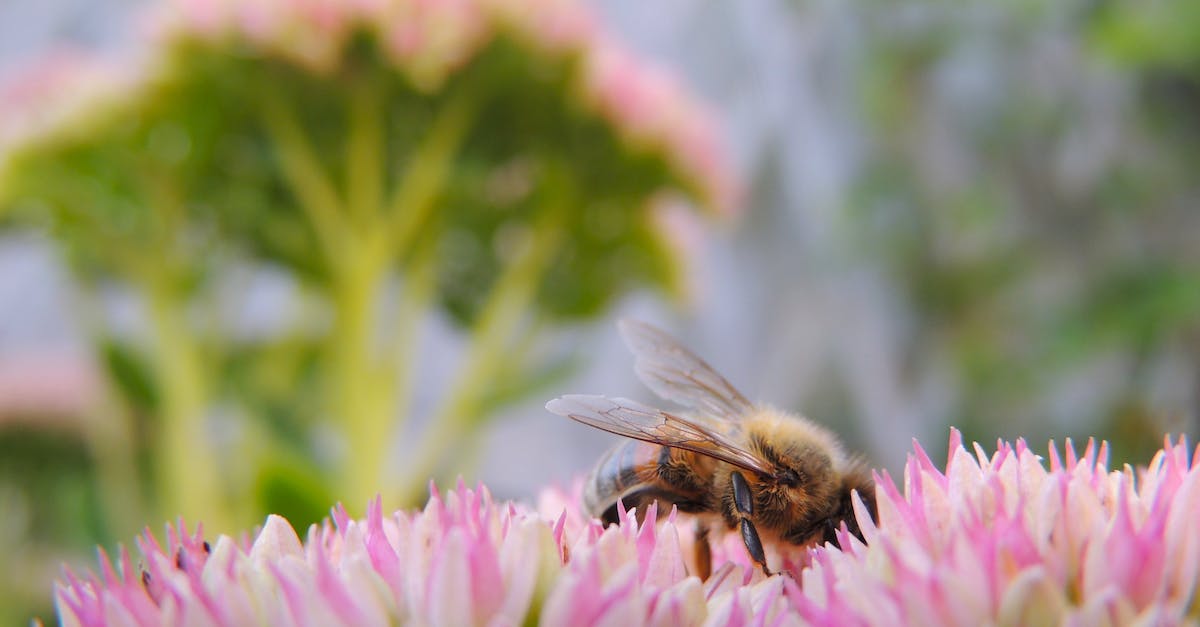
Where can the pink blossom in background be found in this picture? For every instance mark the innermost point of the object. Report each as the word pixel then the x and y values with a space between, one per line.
pixel 57 95
pixel 59 386
pixel 989 539
pixel 650 108
pixel 685 234
pixel 429 40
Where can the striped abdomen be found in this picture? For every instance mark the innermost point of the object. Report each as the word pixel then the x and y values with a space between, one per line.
pixel 638 473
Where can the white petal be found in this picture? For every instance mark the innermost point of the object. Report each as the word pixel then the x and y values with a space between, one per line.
pixel 276 540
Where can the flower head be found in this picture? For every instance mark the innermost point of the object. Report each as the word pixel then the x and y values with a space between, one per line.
pixel 54 388
pixel 462 560
pixel 998 539
pixel 427 42
pixel 1003 539
pixel 56 96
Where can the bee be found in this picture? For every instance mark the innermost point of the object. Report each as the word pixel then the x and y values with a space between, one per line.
pixel 771 475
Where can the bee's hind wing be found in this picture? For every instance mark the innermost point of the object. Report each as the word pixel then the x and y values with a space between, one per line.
pixel 677 374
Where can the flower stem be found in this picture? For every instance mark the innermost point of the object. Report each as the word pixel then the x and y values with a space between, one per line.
pixel 491 336
pixel 358 378
pixel 314 190
pixel 189 469
pixel 372 386
pixel 365 158
pixel 416 295
pixel 111 435
pixel 427 171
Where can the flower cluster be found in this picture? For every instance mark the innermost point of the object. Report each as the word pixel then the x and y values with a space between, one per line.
pixel 999 539
pixel 55 388
pixel 1004 540
pixel 463 560
pixel 427 41
pixel 52 96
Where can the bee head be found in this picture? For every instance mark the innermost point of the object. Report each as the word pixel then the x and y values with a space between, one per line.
pixel 802 467
pixel 788 477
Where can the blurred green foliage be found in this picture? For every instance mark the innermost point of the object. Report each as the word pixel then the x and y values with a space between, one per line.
pixel 1036 221
pixel 49 496
pixel 502 199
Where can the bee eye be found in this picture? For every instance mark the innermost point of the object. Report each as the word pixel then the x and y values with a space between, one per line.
pixel 788 477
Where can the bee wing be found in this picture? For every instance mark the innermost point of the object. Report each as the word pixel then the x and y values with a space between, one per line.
pixel 642 422
pixel 679 375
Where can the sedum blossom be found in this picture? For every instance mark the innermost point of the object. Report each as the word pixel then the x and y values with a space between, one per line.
pixel 1003 539
pixel 499 161
pixel 425 41
pixel 989 539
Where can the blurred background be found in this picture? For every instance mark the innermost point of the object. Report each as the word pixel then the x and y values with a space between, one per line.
pixel 981 215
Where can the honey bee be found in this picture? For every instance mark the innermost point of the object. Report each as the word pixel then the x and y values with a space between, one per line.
pixel 772 475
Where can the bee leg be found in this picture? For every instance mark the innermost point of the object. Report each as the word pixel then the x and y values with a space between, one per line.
pixel 743 500
pixel 754 545
pixel 703 552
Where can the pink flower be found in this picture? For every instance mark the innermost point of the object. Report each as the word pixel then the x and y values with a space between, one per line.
pixel 650 109
pixel 684 234
pixel 61 387
pixel 309 32
pixel 426 41
pixel 57 96
pixel 1003 539
pixel 463 560
pixel 997 539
